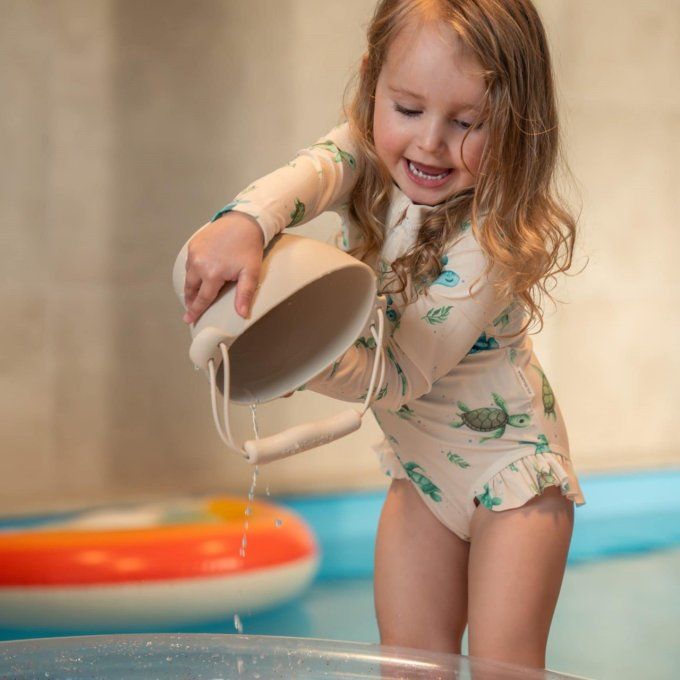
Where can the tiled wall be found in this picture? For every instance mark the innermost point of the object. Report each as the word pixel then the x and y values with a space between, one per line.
pixel 126 124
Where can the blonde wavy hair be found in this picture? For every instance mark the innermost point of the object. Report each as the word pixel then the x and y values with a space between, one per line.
pixel 517 215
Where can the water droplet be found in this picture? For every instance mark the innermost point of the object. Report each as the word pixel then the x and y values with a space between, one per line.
pixel 278 522
pixel 237 623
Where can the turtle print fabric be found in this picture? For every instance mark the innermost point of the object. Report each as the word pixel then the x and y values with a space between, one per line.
pixel 468 413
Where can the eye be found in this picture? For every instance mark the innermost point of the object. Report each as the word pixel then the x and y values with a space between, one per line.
pixel 405 112
pixel 463 124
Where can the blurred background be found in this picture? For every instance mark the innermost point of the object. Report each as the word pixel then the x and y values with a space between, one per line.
pixel 126 125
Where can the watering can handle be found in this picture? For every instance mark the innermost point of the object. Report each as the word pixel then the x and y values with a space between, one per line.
pixel 302 437
pixel 293 440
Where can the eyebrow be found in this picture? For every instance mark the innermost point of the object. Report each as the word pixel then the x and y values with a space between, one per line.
pixel 400 90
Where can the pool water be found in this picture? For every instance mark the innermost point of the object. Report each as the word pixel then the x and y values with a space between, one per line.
pixel 616 619
pixel 618 616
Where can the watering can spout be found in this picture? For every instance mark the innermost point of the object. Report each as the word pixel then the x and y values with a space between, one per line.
pixel 206 346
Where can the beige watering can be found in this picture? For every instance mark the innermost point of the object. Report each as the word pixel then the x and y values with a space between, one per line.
pixel 312 303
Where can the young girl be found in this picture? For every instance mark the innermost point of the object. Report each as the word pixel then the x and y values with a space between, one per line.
pixel 443 180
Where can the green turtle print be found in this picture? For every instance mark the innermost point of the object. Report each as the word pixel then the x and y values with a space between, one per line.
pixel 483 343
pixel 298 213
pixel 340 155
pixel 547 394
pixel 368 343
pixel 488 500
pixel 392 315
pixel 384 269
pixel 458 460
pixel 405 413
pixel 438 315
pixel 379 396
pixel 490 419
pixel 228 208
pixel 542 445
pixel 400 371
pixel 426 485
pixel 334 368
pixel 503 319
pixel 447 277
pixel 545 478
pixel 344 232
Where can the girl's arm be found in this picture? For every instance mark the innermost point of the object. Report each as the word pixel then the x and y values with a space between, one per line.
pixel 229 248
pixel 318 179
pixel 430 336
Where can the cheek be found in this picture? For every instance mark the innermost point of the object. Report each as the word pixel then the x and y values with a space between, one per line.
pixel 386 134
pixel 472 151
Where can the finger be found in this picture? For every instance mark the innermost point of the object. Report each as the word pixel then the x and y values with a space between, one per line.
pixel 204 298
pixel 248 280
pixel 192 284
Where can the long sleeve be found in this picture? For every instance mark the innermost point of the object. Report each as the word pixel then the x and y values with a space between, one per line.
pixel 429 337
pixel 319 178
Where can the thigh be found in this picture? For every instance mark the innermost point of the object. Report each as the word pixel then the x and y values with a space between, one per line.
pixel 420 575
pixel 517 561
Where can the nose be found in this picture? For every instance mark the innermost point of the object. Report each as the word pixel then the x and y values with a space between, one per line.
pixel 431 138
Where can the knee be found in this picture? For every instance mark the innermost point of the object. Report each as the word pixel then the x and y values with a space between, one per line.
pixel 520 650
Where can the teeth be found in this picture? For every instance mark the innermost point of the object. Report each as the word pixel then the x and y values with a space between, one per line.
pixel 424 175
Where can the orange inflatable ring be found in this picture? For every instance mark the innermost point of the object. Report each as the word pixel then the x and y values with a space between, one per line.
pixel 158 564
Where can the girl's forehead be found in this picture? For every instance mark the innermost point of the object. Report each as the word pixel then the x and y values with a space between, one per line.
pixel 422 38
pixel 427 56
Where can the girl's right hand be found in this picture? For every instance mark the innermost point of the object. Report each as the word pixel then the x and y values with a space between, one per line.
pixel 229 249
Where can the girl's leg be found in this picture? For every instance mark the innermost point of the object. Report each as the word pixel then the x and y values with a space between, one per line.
pixel 517 560
pixel 420 575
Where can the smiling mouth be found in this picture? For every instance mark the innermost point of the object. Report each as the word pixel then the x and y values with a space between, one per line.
pixel 427 173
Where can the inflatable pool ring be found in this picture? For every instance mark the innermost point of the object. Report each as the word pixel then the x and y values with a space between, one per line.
pixel 161 564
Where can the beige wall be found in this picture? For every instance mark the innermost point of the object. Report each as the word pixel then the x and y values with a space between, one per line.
pixel 126 124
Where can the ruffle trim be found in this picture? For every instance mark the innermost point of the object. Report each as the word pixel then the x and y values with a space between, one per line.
pixel 527 477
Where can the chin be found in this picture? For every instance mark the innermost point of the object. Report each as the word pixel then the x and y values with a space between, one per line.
pixel 430 198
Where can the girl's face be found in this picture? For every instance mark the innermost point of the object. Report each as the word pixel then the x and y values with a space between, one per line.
pixel 427 96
